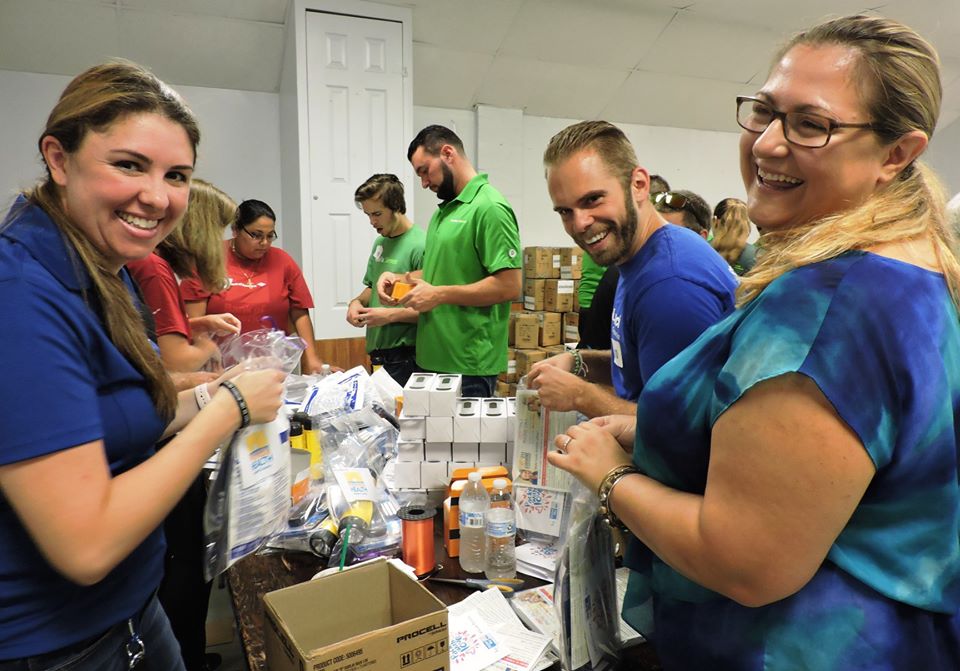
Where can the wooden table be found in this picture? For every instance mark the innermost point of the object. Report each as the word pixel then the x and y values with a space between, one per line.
pixel 255 575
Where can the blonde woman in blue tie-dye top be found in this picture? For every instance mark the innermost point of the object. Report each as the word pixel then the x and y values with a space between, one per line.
pixel 795 503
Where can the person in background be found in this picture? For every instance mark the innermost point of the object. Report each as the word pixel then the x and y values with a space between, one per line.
pixel 672 284
pixel 471 267
pixel 85 396
pixel 392 330
pixel 598 287
pixel 194 249
pixel 731 228
pixel 658 185
pixel 685 208
pixel 795 479
pixel 262 281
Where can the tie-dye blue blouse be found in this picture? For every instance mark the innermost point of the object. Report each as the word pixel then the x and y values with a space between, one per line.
pixel 881 339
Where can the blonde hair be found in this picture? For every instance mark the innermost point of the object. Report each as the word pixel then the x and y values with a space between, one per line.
pixel 731 228
pixel 902 93
pixel 95 100
pixel 195 247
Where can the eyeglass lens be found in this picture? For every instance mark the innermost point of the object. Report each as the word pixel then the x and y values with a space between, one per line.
pixel 808 130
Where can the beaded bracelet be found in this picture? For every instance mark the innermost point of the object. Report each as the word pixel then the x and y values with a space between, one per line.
pixel 605 489
pixel 238 397
pixel 579 367
pixel 202 393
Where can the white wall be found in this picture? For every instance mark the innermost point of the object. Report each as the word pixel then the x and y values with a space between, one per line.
pixel 239 145
pixel 702 161
pixel 943 155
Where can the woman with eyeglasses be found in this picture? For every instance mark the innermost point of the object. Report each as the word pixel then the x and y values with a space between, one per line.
pixel 794 489
pixel 262 281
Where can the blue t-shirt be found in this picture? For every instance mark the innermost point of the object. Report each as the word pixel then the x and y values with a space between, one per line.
pixel 881 339
pixel 669 292
pixel 64 384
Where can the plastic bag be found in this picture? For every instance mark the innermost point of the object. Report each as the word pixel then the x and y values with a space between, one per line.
pixel 249 499
pixel 585 588
pixel 541 491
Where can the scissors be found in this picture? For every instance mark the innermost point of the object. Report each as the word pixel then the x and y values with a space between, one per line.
pixel 505 585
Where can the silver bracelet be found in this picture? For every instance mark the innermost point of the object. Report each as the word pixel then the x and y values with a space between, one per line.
pixel 202 393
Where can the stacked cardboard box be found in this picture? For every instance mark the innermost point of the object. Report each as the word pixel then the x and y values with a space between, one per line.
pixel 549 315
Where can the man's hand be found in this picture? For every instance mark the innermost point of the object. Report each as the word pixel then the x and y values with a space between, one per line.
pixel 376 316
pixel 559 389
pixel 385 287
pixel 423 297
pixel 354 311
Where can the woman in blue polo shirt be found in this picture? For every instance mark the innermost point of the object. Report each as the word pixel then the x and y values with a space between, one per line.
pixel 85 397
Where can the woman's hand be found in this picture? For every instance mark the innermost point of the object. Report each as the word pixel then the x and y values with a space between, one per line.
pixel 219 324
pixel 588 452
pixel 621 427
pixel 263 392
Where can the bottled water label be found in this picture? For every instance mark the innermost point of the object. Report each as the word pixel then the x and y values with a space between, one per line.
pixel 500 529
pixel 471 520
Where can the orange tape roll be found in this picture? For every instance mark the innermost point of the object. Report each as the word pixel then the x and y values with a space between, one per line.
pixel 417 544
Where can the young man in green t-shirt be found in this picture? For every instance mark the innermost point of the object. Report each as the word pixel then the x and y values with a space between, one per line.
pixel 391 331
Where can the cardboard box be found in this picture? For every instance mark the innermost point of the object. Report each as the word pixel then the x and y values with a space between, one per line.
pixel 533 293
pixel 466 452
pixel 406 474
pixel 412 428
pixel 410 450
pixel 553 350
pixel 527 327
pixel 550 327
pixel 433 474
pixel 443 395
pixel 571 327
pixel 439 429
pixel 558 295
pixel 511 329
pixel 492 454
pixel 502 389
pixel 382 620
pixel 511 373
pixel 466 423
pixel 526 358
pixel 436 452
pixel 493 422
pixel 416 394
pixel 541 262
pixel 576 295
pixel 571 263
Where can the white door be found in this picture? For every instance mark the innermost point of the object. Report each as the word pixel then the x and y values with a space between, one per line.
pixel 356 121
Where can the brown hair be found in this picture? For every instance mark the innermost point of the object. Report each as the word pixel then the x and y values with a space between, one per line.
pixel 609 142
pixel 901 90
pixel 93 101
pixel 731 228
pixel 195 247
pixel 385 186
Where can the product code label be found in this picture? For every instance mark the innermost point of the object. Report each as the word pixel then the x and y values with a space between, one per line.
pixel 471 520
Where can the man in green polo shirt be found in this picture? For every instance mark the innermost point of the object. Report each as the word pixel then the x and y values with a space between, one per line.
pixel 471 267
pixel 391 331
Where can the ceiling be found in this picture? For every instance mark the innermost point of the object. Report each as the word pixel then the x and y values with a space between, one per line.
pixel 655 62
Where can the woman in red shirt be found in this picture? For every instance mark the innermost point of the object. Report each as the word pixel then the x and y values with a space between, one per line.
pixel 262 281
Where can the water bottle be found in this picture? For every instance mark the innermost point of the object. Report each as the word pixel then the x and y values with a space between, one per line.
pixel 501 532
pixel 474 502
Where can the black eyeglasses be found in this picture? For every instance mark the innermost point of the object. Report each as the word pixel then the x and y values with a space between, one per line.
pixel 800 128
pixel 260 237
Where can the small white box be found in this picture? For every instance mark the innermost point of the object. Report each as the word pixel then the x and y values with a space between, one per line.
pixel 509 461
pixel 466 421
pixel 511 420
pixel 433 474
pixel 493 422
pixel 416 394
pixel 410 450
pixel 439 429
pixel 454 465
pixel 412 428
pixel 466 451
pixel 443 395
pixel 406 474
pixel 436 452
pixel 492 454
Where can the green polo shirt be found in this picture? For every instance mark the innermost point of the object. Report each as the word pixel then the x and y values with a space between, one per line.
pixel 589 279
pixel 395 255
pixel 470 237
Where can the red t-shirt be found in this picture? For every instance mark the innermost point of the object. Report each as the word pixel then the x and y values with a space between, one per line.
pixel 162 294
pixel 268 287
